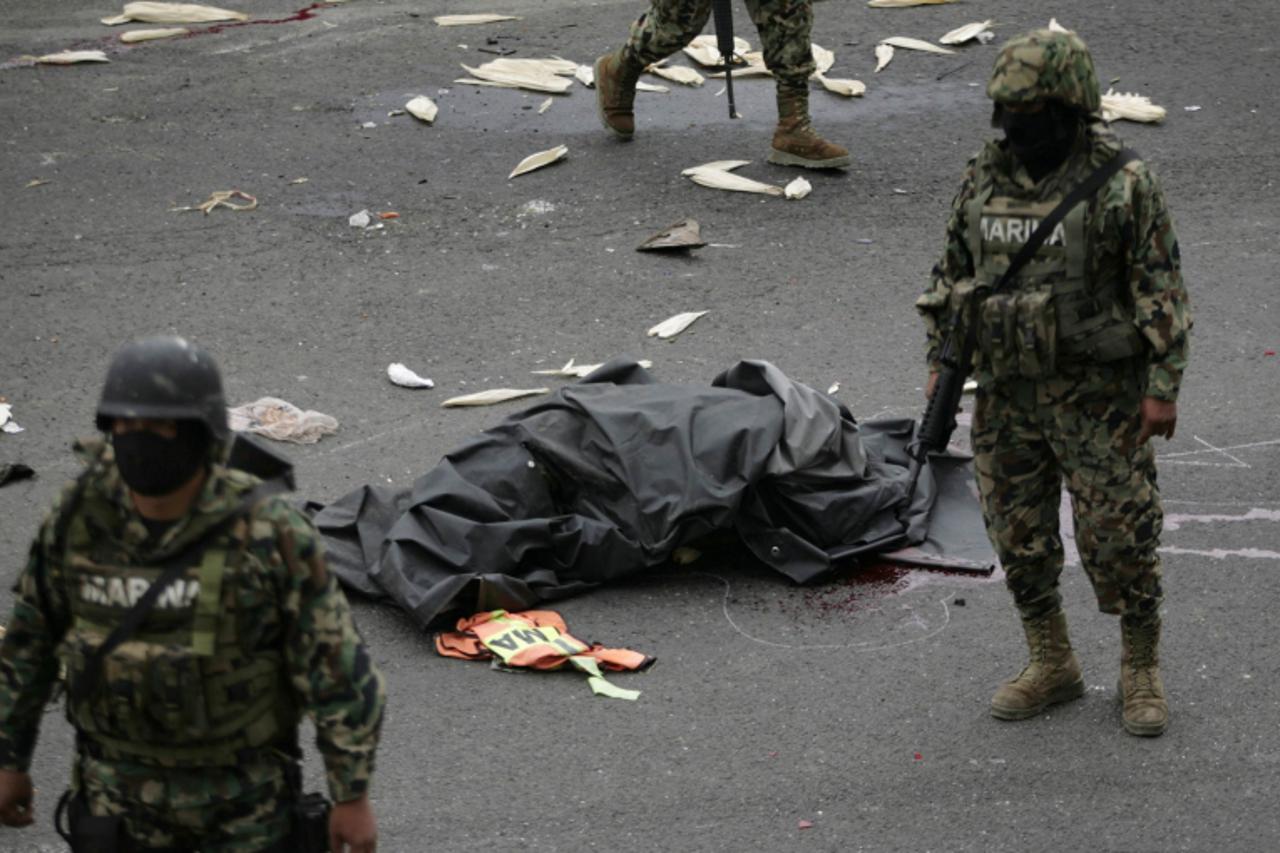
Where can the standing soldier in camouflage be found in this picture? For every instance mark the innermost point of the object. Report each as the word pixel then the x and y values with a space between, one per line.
pixel 186 726
pixel 669 25
pixel 1077 365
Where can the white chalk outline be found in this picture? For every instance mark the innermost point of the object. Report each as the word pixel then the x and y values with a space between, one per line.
pixel 1179 457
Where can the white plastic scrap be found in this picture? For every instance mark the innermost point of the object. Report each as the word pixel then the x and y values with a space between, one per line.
pixel 7 423
pixel 133 36
pixel 823 59
pixel 840 86
pixel 470 20
pixel 173 13
pixel 916 44
pixel 677 74
pixel 492 396
pixel 834 389
pixel 1130 106
pixel 642 86
pixel 406 378
pixel 359 220
pixel 537 161
pixel 673 326
pixel 572 370
pixel 586 75
pixel 1056 27
pixel 422 108
pixel 902 4
pixel 545 105
pixel 704 50
pixel 798 189
pixel 718 175
pixel 534 75
pixel 281 421
pixel 960 35
pixel 72 57
pixel 884 55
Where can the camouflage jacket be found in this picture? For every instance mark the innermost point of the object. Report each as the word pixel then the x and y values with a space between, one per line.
pixel 1131 242
pixel 282 587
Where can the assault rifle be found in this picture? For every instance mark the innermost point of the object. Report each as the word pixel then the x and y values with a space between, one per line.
pixel 723 13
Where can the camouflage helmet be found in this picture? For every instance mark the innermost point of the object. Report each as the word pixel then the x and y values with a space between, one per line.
pixel 1046 64
pixel 164 378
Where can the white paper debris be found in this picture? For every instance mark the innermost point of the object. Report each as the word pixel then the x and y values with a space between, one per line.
pixel 822 58
pixel 471 20
pixel 134 36
pixel 902 4
pixel 492 396
pixel 545 105
pixel 221 198
pixel 359 220
pixel 642 86
pixel 1194 108
pixel 798 189
pixel 968 32
pixel 884 55
pixel 703 50
pixel 573 370
pixel 834 389
pixel 916 44
pixel 1130 106
pixel 847 88
pixel 673 326
pixel 281 421
pixel 718 175
pixel 678 74
pixel 72 57
pixel 369 125
pixel 1056 27
pixel 586 75
pixel 406 378
pixel 422 108
pixel 7 423
pixel 537 161
pixel 517 74
pixel 173 13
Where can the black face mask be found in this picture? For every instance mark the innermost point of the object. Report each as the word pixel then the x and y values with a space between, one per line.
pixel 1041 141
pixel 153 465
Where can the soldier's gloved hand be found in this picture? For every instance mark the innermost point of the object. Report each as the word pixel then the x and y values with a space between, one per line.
pixel 1159 417
pixel 352 827
pixel 15 798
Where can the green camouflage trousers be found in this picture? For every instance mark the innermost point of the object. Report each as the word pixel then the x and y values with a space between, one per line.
pixel 213 809
pixel 1028 437
pixel 784 27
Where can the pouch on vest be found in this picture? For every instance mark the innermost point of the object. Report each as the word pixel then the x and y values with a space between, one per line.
pixel 1017 333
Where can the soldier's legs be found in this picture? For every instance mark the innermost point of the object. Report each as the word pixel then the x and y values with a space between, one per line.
pixel 215 810
pixel 1019 484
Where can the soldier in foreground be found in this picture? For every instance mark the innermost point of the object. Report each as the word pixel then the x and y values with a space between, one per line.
pixel 669 25
pixel 197 621
pixel 1078 364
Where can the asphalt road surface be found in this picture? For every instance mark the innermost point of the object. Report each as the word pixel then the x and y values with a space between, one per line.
pixel 860 706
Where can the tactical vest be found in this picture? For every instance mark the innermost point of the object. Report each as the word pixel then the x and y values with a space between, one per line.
pixel 189 688
pixel 1052 314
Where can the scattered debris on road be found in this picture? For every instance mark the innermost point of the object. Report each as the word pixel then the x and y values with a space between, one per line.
pixel 134 36
pixel 908 43
pixel 718 175
pixel 72 57
pixel 704 50
pixel 673 326
pixel 545 105
pixel 834 389
pixel 884 55
pixel 840 86
pixel 280 420
pixel 221 198
pixel 538 75
pixel 540 159
pixel 798 189
pixel 12 473
pixel 492 397
pixel 173 13
pixel 980 30
pixel 34 182
pixel 406 378
pixel 573 370
pixel 681 74
pixel 7 423
pixel 682 236
pixel 1131 107
pixel 471 20
pixel 422 108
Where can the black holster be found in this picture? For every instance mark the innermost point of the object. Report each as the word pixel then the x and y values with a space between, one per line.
pixel 85 833
pixel 310 816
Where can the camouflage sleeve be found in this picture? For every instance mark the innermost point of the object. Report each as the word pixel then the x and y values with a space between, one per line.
pixel 28 660
pixel 956 264
pixel 1162 309
pixel 329 667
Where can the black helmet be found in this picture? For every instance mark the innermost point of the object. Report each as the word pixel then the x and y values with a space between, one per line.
pixel 164 378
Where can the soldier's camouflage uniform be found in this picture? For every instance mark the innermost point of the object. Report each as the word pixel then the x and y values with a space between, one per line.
pixel 1081 422
pixel 278 616
pixel 784 27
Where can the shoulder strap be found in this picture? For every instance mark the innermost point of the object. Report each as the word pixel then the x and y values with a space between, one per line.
pixel 174 566
pixel 1082 191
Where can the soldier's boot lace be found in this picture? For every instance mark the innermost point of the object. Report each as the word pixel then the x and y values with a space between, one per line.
pixel 616 76
pixel 796 143
pixel 1146 711
pixel 1052 675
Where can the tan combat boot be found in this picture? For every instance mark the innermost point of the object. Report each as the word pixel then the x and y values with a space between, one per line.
pixel 1053 674
pixel 796 143
pixel 616 76
pixel 1146 712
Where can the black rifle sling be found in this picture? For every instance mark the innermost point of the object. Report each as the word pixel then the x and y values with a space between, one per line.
pixel 174 566
pixel 1082 191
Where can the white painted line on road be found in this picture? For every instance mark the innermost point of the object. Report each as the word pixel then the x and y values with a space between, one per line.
pixel 1176 520
pixel 1224 553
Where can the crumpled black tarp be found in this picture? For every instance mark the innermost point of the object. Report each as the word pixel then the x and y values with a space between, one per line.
pixel 610 475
